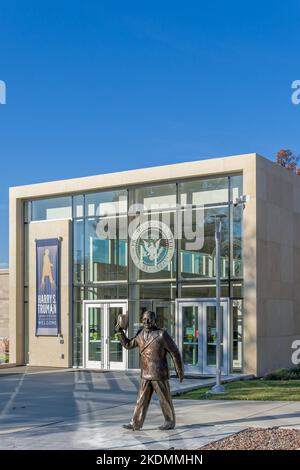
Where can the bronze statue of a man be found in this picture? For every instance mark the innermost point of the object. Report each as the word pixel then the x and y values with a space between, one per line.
pixel 154 343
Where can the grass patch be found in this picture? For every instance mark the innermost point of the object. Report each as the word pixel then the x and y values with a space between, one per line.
pixel 257 389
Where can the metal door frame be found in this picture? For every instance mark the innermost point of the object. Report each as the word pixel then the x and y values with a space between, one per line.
pixel 201 303
pixel 105 364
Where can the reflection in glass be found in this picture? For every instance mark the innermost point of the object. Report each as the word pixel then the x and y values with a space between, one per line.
pixel 115 347
pixel 194 290
pixel 150 251
pixel 78 247
pixel 78 293
pixel 94 332
pixel 78 202
pixel 77 334
pixel 106 259
pixel 236 290
pixel 108 203
pixel 201 263
pixel 237 242
pixel 204 191
pixel 153 291
pixel 154 198
pixel 190 335
pixel 100 264
pixel 106 291
pixel 236 187
pixel 54 208
pixel 237 334
pixel 211 338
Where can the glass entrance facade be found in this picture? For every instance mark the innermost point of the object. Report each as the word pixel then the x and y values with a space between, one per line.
pixel 113 261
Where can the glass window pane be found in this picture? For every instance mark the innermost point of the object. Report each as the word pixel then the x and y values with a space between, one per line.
pixel 152 291
pixel 211 338
pixel 237 241
pixel 77 334
pixel 106 203
pixel 236 187
pixel 201 262
pixel 237 335
pixel 78 293
pixel 190 291
pixel 106 291
pixel 115 347
pixel 152 249
pixel 204 191
pixel 55 208
pixel 154 198
pixel 78 250
pixel 190 335
pixel 237 289
pixel 95 345
pixel 78 202
pixel 106 258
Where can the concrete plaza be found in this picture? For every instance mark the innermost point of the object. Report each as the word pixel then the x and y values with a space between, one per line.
pixel 76 409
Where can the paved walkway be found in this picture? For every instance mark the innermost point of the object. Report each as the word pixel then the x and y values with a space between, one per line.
pixel 85 410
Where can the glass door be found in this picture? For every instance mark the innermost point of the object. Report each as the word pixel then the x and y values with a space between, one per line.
pixel 103 349
pixel 94 336
pixel 209 340
pixel 190 314
pixel 115 351
pixel 197 335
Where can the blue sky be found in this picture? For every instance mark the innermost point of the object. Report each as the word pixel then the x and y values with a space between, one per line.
pixel 101 86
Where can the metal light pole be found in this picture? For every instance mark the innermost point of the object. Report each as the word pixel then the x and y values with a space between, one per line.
pixel 218 388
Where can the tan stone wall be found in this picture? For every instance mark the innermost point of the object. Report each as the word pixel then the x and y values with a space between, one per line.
pixel 53 351
pixel 278 265
pixel 249 263
pixel 4 298
pixel 16 281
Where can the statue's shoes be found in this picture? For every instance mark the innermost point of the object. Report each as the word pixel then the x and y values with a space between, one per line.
pixel 131 427
pixel 166 426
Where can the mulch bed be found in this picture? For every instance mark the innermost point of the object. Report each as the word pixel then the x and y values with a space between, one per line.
pixel 259 439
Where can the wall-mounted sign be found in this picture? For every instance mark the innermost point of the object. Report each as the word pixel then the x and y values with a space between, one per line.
pixel 152 246
pixel 47 287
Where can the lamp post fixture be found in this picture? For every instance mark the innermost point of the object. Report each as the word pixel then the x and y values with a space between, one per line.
pixel 218 388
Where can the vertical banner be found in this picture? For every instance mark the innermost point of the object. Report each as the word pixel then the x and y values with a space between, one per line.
pixel 47 287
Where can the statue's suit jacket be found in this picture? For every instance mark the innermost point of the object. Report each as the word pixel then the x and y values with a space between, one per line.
pixel 153 353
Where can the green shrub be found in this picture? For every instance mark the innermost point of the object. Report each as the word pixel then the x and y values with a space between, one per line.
pixel 296 370
pixel 284 374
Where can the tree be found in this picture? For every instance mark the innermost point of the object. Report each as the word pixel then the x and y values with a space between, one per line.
pixel 287 159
